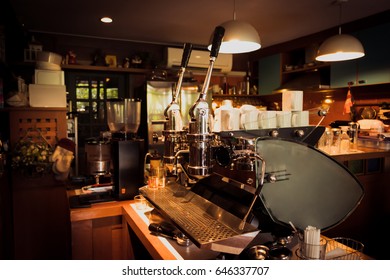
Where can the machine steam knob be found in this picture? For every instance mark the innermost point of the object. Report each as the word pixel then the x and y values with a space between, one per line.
pixel 271 178
pixel 299 133
pixel 274 133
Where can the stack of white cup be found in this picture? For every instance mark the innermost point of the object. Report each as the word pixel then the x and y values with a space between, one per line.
pixel 292 113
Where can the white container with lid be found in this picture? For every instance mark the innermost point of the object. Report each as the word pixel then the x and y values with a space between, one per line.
pixel 47 95
pixel 49 77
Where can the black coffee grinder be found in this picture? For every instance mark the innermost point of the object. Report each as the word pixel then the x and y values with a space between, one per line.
pixel 128 151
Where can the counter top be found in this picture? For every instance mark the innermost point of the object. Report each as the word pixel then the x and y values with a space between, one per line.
pixel 362 153
pixel 160 248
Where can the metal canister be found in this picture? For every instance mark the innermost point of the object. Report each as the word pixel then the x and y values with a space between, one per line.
pixel 353 135
pixel 98 157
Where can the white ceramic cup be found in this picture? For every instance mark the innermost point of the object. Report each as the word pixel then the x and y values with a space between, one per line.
pixel 249 119
pixel 283 119
pixel 292 100
pixel 300 118
pixel 267 119
pixel 230 119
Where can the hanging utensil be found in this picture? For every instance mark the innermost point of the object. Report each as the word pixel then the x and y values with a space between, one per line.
pixel 368 113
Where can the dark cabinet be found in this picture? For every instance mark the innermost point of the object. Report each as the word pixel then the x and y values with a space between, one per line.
pixel 41 218
pixel 294 70
pixel 34 220
pixel 373 212
pixel 373 68
pixel 269 69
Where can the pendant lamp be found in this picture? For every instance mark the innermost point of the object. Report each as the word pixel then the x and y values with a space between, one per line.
pixel 240 36
pixel 340 47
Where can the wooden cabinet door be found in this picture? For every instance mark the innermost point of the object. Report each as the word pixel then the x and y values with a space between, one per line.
pixel 269 74
pixel 41 218
pixel 98 239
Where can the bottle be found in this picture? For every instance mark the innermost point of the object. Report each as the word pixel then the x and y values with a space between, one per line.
pixel 225 86
pixel 344 140
pixel 354 133
pixel 248 80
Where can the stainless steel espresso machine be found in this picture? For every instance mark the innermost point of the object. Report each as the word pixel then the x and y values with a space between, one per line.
pixel 248 182
pixel 128 151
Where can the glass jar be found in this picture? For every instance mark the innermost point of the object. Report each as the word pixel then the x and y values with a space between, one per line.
pixel 325 141
pixel 336 137
pixel 344 140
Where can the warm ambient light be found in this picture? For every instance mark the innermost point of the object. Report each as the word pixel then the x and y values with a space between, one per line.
pixel 106 19
pixel 239 37
pixel 340 47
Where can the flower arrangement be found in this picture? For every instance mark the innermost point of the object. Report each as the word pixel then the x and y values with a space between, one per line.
pixel 34 157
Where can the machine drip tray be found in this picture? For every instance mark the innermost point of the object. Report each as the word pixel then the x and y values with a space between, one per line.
pixel 86 200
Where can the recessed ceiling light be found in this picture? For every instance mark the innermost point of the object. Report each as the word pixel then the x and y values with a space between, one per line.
pixel 106 19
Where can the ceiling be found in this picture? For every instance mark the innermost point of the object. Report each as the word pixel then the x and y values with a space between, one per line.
pixel 174 22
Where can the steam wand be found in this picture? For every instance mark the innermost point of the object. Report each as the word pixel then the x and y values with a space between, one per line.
pixel 257 192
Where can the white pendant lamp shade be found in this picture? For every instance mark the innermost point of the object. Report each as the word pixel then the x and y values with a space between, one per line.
pixel 240 37
pixel 340 47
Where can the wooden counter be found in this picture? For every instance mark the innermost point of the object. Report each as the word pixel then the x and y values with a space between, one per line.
pixel 131 223
pixel 371 166
pixel 364 153
pixel 135 222
pixel 153 244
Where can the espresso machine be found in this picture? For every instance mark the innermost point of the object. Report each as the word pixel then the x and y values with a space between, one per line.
pixel 128 151
pixel 251 182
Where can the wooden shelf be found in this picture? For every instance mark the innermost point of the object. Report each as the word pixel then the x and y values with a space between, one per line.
pixel 105 68
pixel 237 95
pixel 306 69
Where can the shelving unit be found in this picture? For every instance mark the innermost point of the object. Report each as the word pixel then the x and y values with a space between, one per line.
pixel 306 69
pixel 239 99
pixel 302 63
pixel 105 68
pixel 282 68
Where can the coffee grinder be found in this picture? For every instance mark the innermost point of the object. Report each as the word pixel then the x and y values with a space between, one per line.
pixel 128 151
pixel 98 160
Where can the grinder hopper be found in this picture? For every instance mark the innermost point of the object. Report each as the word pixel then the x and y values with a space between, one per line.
pixel 124 116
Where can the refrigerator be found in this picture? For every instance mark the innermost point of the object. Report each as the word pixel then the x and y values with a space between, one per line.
pixel 158 97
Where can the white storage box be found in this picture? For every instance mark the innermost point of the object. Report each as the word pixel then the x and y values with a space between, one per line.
pixel 47 95
pixel 49 77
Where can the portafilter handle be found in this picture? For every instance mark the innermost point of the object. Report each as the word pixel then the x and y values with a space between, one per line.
pixel 167 230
